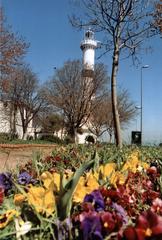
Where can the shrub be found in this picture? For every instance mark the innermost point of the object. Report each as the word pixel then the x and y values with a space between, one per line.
pixel 68 140
pixel 51 138
pixel 4 137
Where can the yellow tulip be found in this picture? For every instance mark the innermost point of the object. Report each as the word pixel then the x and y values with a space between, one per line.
pixel 85 186
pixel 51 180
pixel 107 169
pixel 42 199
pixel 131 163
pixel 47 179
pixel 117 177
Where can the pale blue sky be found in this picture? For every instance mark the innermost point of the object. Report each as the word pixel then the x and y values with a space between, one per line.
pixel 44 23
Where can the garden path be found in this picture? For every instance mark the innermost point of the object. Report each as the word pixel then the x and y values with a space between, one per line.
pixel 12 155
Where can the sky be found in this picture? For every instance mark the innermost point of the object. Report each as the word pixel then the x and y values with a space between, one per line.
pixel 45 25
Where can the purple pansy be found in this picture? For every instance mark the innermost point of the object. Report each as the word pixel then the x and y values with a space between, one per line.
pixel 96 199
pixel 25 178
pixel 120 210
pixel 6 181
pixel 91 226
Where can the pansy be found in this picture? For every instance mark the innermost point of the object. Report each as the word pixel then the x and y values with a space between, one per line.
pixel 108 221
pixel 157 206
pixel 148 226
pixel 7 217
pixel 25 178
pixel 6 181
pixel 91 226
pixel 151 223
pixel 1 194
pixel 120 210
pixel 96 199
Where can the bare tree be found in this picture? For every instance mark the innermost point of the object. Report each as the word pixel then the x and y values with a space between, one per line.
pixel 126 24
pixel 12 49
pixel 158 15
pixel 24 97
pixel 102 116
pixel 72 94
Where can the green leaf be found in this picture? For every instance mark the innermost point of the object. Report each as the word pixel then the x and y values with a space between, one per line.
pixel 64 200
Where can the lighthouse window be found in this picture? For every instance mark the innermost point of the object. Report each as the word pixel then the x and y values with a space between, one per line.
pixel 88 34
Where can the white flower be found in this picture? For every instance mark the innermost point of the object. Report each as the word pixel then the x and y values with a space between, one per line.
pixel 22 227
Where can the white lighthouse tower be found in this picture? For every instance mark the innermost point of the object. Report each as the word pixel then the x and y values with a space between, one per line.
pixel 88 46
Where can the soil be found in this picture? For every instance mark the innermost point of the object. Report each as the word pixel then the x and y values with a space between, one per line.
pixel 13 155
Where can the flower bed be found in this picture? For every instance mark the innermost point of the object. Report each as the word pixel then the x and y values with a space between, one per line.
pixel 74 194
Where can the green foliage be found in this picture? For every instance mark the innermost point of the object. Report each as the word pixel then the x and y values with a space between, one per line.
pixel 7 137
pixel 4 137
pixel 64 199
pixel 68 140
pixel 51 138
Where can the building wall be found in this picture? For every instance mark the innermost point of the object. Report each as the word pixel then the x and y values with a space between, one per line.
pixel 5 122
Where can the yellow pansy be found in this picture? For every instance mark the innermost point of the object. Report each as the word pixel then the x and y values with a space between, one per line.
pixel 7 217
pixel 42 199
pixel 19 199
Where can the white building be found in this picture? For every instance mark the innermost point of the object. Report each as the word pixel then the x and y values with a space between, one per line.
pixel 6 119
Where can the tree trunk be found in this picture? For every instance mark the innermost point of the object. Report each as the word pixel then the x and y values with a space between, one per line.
pixel 117 130
pixel 72 134
pixel 24 128
pixel 13 113
pixel 24 137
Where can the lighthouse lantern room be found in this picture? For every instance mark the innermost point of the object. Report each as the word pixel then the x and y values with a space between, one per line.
pixel 88 46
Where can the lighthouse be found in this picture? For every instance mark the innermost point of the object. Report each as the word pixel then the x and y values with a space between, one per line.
pixel 88 46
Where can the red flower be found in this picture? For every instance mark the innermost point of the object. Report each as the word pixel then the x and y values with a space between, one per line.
pixel 152 170
pixel 151 223
pixel 148 225
pixel 108 221
pixel 157 206
pixel 1 194
pixel 131 233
